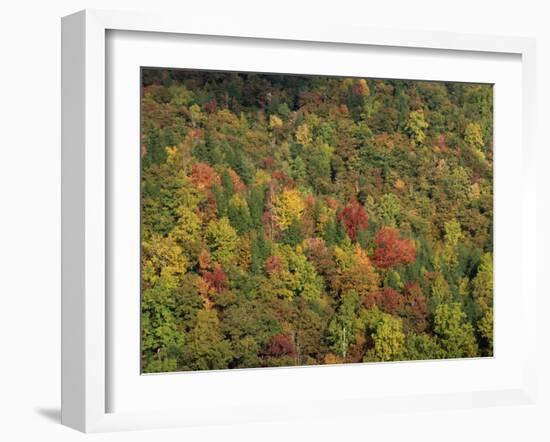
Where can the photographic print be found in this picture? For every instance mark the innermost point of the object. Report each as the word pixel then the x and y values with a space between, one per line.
pixel 294 220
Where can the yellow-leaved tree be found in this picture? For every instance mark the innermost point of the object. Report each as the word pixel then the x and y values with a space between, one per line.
pixel 288 207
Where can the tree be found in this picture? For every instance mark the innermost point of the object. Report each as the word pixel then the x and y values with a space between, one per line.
pixel 293 235
pixel 416 314
pixel 345 324
pixel 482 292
pixel 354 271
pixel 473 136
pixel 222 240
pixel 227 183
pixel 482 289
pixel 440 291
pixel 320 255
pixel 354 218
pixel 180 95
pixel 273 264
pixel 279 345
pixel 357 97
pixel 275 122
pixel 455 334
pixel 485 328
pixel 186 231
pixel 457 183
pixel 256 206
pixel 388 339
pixel 159 322
pixel 205 347
pixel 422 347
pixel 453 233
pixel 249 326
pixel 288 207
pixel 298 277
pixel 239 214
pixel 260 250
pixel 216 278
pixel 389 209
pixel 236 181
pixel 392 250
pixel 391 301
pixel 162 259
pixel 196 116
pixel 302 135
pixel 318 165
pixel 203 176
pixel 298 168
pixel 330 232
pixel 416 126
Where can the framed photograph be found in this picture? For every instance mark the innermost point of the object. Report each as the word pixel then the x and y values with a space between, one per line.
pixel 270 223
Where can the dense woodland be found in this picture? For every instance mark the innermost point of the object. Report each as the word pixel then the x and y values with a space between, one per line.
pixel 295 220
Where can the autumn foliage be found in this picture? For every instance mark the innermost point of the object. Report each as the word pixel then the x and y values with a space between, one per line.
pixel 303 220
pixel 273 264
pixel 391 301
pixel 279 345
pixel 354 218
pixel 216 278
pixel 391 249
pixel 204 176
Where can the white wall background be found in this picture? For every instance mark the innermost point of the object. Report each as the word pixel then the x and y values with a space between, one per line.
pixel 30 216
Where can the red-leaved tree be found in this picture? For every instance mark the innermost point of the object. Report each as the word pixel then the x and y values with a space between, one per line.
pixel 416 307
pixel 391 301
pixel 354 217
pixel 387 299
pixel 279 345
pixel 216 278
pixel 391 249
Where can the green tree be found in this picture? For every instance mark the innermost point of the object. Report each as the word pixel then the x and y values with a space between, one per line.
pixel 389 209
pixel 482 289
pixel 297 277
pixel 239 214
pixel 205 347
pixel 485 328
pixel 293 234
pixel 345 324
pixel 187 231
pixel 222 240
pixel 330 232
pixel 298 167
pixel 482 292
pixel 256 205
pixel 318 166
pixel 162 259
pixel 422 347
pixel 453 234
pixel 454 333
pixel 388 339
pixel 416 126
pixel 260 250
pixel 161 338
pixel 457 184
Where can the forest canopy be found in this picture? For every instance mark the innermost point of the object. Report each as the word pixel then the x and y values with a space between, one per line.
pixel 299 220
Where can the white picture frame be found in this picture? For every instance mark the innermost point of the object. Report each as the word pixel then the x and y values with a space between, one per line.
pixel 87 353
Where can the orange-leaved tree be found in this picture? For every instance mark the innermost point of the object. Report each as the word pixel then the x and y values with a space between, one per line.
pixel 391 249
